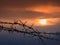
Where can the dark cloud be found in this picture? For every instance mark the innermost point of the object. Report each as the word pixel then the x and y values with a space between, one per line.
pixel 13 8
pixel 27 3
pixel 29 15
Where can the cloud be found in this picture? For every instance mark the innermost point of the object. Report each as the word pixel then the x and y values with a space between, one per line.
pixel 29 14
pixel 24 8
pixel 26 3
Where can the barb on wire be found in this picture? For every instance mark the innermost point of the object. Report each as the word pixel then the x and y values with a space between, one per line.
pixel 26 31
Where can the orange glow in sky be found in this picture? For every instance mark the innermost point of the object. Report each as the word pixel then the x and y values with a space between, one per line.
pixel 45 9
pixel 48 21
pixel 43 21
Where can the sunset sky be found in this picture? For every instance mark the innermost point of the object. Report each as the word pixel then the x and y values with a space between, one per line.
pixel 31 10
pixel 41 16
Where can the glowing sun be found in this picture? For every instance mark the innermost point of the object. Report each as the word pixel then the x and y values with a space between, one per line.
pixel 43 21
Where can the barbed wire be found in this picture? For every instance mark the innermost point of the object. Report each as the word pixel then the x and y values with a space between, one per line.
pixel 30 30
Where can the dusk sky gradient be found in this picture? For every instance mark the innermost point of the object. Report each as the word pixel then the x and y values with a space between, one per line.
pixel 30 9
pixel 32 12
